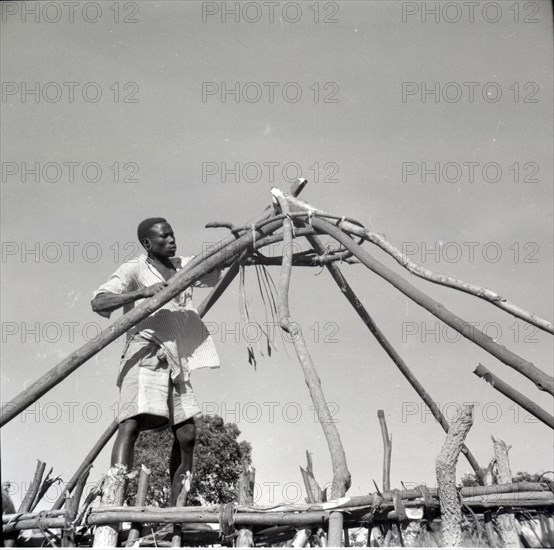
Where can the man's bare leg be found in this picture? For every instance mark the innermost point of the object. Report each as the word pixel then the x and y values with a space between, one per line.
pixel 123 451
pixel 181 455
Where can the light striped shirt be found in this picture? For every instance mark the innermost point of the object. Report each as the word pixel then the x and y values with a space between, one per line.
pixel 176 327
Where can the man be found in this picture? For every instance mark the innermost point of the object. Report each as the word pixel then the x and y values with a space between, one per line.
pixel 161 350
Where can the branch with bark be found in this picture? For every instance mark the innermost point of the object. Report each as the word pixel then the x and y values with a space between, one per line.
pixel 341 475
pixel 445 467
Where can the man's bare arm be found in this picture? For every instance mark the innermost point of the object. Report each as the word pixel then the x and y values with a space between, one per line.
pixel 106 302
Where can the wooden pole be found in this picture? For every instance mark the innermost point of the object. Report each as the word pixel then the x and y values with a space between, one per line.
pixel 202 264
pixel 341 475
pixel 113 494
pixel 176 540
pixel 492 539
pixel 221 286
pixel 27 503
pixel 334 537
pixel 313 490
pixel 287 515
pixel 492 493
pixel 68 534
pixel 142 491
pixel 301 538
pixel 180 282
pixel 350 295
pixel 346 537
pixel 387 450
pixel 526 368
pixel 444 280
pixel 514 395
pixel 489 529
pixel 445 467
pixel 245 535
pixel 506 521
pixel 88 460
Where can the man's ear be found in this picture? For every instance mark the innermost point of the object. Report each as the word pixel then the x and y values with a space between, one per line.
pixel 146 244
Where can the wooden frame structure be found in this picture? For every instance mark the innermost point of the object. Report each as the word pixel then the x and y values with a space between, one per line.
pixel 285 219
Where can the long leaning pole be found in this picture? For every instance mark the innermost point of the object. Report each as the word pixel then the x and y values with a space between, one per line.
pixel 349 294
pixel 204 307
pixel 509 358
pixel 517 397
pixel 200 265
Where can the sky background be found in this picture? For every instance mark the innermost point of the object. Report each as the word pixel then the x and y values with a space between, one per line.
pixel 170 132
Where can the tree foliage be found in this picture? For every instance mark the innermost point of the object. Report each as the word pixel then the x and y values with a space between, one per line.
pixel 470 480
pixel 217 464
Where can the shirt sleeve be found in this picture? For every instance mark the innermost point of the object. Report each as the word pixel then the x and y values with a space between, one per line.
pixel 123 280
pixel 206 281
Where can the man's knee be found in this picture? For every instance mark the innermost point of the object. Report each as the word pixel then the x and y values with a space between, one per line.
pixel 129 429
pixel 185 433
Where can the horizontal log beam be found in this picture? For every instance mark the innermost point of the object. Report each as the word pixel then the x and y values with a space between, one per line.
pixel 526 487
pixel 298 517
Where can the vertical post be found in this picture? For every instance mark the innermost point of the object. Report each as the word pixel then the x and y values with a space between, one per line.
pixel 142 490
pixel 506 521
pixel 489 529
pixel 176 541
pixel 445 467
pixel 387 450
pixel 245 537
pixel 113 494
pixel 346 537
pixel 488 479
pixel 335 529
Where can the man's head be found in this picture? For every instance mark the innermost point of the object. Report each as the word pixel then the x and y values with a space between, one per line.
pixel 156 235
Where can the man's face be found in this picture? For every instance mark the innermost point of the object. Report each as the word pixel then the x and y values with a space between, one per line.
pixel 161 241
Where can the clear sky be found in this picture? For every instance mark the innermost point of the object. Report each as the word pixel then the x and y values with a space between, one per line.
pixel 120 101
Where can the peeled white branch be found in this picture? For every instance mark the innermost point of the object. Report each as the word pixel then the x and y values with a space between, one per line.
pixel 437 278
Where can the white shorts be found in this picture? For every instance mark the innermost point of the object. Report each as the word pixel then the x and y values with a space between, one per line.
pixel 146 388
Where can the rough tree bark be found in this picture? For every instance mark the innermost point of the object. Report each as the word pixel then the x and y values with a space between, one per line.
pixel 445 468
pixel 506 522
pixel 245 536
pixel 113 494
